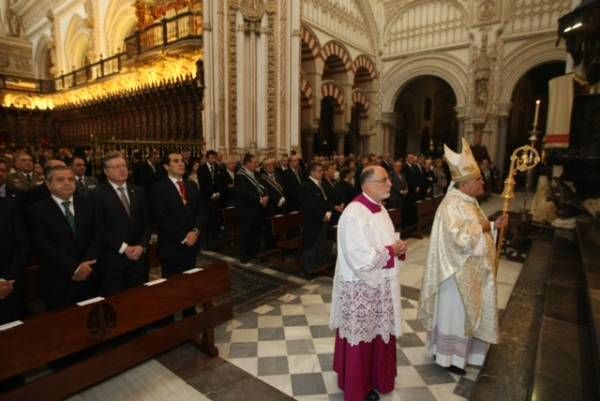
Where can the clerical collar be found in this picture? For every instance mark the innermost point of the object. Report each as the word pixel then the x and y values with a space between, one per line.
pixel 369 203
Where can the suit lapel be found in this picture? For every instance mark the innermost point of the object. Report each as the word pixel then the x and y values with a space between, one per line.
pixel 132 201
pixel 117 201
pixel 79 217
pixel 188 188
pixel 175 191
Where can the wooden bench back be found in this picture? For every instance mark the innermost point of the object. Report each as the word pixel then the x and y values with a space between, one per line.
pixel 48 337
pixel 395 216
pixel 281 224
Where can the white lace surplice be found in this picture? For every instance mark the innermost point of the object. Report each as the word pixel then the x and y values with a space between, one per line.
pixel 366 297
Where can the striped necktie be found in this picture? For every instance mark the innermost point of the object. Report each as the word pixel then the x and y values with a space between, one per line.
pixel 70 218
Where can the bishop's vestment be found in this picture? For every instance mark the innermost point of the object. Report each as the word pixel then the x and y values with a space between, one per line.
pixel 458 295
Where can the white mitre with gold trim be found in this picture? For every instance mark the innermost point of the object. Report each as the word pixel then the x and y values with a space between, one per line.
pixel 463 166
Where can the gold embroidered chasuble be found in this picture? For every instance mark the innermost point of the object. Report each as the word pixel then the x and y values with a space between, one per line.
pixel 459 248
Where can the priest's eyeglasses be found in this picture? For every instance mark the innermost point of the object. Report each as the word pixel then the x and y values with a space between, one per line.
pixel 381 180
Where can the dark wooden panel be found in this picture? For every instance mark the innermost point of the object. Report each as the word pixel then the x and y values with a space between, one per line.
pixel 53 335
pixel 77 377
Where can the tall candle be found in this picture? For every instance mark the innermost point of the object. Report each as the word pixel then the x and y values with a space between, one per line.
pixel 537 114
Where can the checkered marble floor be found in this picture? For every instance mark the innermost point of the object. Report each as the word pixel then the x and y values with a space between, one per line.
pixel 287 343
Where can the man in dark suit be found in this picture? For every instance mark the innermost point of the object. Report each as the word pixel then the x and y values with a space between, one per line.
pixel 415 178
pixel 14 254
pixel 179 214
pixel 84 183
pixel 399 188
pixel 124 228
pixel 251 201
pixel 277 201
pixel 41 192
pixel 317 213
pixel 7 191
pixel 147 172
pixel 63 232
pixel 228 184
pixel 274 188
pixel 293 182
pixel 210 181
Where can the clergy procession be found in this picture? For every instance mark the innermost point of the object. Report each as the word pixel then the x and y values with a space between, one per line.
pixel 92 239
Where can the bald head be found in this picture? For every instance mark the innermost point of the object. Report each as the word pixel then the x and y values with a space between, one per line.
pixel 374 181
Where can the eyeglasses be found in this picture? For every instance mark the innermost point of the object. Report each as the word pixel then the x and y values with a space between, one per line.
pixel 381 180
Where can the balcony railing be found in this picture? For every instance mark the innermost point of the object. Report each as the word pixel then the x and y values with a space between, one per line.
pixel 160 35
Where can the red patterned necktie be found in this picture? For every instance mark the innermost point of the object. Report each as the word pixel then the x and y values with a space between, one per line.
pixel 183 191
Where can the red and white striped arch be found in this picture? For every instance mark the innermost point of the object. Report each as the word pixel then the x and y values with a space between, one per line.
pixel 307 92
pixel 359 98
pixel 333 48
pixel 310 39
pixel 331 89
pixel 366 62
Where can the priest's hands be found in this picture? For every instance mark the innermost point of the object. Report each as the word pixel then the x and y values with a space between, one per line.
pixel 400 247
pixel 501 221
pixel 485 225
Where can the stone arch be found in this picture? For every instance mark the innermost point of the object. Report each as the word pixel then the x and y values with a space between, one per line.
pixel 461 5
pixel 120 21
pixel 306 91
pixel 523 59
pixel 359 98
pixel 329 88
pixel 308 37
pixel 366 62
pixel 446 67
pixel 77 42
pixel 40 57
pixel 335 48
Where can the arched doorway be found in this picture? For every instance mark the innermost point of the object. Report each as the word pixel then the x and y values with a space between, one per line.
pixel 532 86
pixel 353 142
pixel 325 140
pixel 425 117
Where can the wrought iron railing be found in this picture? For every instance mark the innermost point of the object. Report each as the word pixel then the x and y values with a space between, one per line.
pixel 167 32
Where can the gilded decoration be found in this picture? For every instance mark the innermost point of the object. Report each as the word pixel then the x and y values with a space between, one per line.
pixel 150 11
pixel 167 69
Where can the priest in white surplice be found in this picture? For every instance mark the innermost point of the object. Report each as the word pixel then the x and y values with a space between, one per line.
pixel 365 308
pixel 458 294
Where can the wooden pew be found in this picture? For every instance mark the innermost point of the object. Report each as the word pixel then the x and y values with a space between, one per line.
pixel 54 335
pixel 396 217
pixel 425 214
pixel 230 220
pixel 287 230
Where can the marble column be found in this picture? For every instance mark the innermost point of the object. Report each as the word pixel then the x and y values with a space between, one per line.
pixel 295 62
pixel 308 137
pixel 388 125
pixel 261 82
pixel 500 154
pixel 340 136
pixel 502 134
pixel 241 78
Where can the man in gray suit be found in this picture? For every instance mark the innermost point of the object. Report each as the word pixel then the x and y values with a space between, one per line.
pixel 84 183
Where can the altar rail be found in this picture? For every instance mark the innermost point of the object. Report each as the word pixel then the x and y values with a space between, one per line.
pixel 46 338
